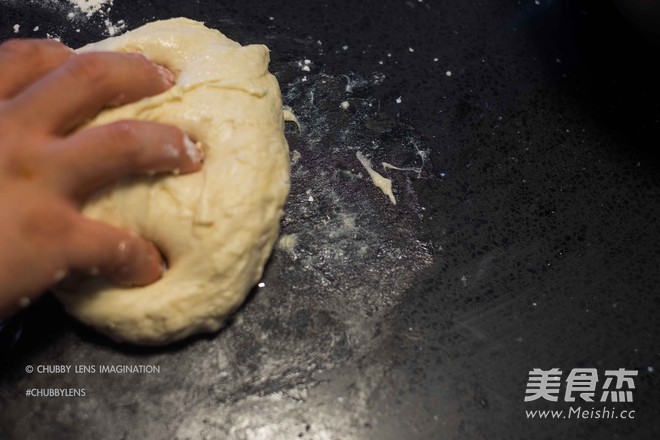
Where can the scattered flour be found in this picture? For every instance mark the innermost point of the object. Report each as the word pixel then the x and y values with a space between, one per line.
pixel 102 9
pixel 90 7
pixel 53 37
pixel 114 28
pixel 86 12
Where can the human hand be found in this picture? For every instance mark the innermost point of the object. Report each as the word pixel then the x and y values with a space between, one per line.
pixel 47 169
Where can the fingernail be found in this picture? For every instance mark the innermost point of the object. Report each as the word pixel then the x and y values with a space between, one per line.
pixel 193 149
pixel 166 74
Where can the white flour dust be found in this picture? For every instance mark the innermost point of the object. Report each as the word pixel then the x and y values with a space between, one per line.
pixel 97 8
pixel 90 7
pixel 78 14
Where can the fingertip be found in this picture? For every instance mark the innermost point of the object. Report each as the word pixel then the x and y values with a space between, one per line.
pixel 144 267
pixel 168 77
pixel 194 153
pixel 184 155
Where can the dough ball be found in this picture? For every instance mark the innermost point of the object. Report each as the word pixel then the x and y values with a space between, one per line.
pixel 216 227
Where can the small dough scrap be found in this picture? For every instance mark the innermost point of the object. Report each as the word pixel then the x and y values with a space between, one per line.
pixel 216 227
pixel 379 181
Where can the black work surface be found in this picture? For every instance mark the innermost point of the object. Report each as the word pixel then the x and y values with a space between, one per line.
pixel 525 234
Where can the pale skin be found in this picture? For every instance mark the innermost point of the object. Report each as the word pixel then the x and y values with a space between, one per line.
pixel 48 167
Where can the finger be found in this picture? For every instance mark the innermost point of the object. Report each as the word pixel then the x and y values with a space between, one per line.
pixel 119 255
pixel 23 62
pixel 33 234
pixel 97 156
pixel 83 85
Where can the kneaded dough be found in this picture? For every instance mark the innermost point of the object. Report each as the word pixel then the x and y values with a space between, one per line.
pixel 216 227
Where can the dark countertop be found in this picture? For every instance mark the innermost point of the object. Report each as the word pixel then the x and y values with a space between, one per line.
pixel 526 237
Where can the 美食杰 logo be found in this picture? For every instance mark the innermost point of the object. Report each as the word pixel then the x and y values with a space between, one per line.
pixel 583 386
pixel 583 382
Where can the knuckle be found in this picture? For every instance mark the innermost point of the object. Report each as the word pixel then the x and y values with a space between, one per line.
pixel 141 62
pixel 32 49
pixel 22 48
pixel 45 222
pixel 123 131
pixel 147 71
pixel 126 138
pixel 24 162
pixel 90 68
pixel 57 45
pixel 170 134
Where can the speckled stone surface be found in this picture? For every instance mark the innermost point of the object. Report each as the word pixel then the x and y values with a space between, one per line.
pixel 526 234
